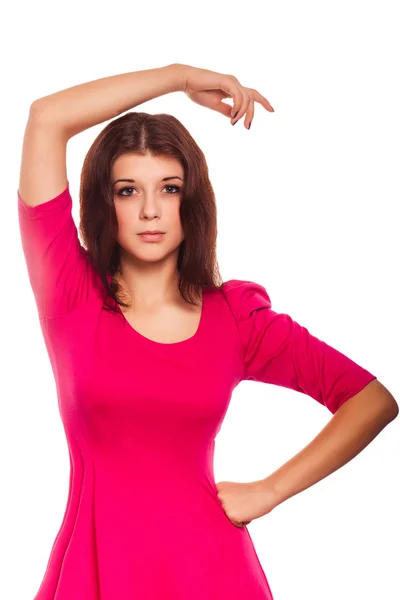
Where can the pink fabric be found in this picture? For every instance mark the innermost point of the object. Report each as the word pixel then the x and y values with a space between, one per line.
pixel 143 519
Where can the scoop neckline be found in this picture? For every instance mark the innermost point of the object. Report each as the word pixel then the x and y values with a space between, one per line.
pixel 149 341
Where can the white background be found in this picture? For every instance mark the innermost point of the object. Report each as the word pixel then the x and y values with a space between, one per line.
pixel 308 204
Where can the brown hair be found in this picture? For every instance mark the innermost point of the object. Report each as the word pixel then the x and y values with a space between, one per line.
pixel 160 134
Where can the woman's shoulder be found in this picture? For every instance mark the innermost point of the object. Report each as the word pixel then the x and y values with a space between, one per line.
pixel 244 297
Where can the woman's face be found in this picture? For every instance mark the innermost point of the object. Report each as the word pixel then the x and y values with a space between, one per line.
pixel 151 201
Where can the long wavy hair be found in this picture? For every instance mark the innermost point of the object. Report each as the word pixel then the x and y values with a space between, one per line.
pixel 159 135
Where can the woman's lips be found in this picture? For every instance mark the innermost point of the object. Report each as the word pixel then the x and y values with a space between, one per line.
pixel 151 237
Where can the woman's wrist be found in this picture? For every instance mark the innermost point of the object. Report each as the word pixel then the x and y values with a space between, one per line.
pixel 179 71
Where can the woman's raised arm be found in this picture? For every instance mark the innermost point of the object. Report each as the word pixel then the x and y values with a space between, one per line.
pixel 43 172
pixel 54 119
pixel 61 277
pixel 82 106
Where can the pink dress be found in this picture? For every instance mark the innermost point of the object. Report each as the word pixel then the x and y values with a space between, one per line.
pixel 143 520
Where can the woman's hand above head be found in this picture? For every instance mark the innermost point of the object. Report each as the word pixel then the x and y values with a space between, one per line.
pixel 209 89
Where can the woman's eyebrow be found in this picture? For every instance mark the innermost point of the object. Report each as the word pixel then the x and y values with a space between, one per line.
pixel 164 179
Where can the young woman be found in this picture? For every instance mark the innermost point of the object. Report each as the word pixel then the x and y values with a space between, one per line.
pixel 147 344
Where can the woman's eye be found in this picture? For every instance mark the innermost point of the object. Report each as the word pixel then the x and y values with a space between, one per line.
pixel 178 189
pixel 123 189
pixel 174 186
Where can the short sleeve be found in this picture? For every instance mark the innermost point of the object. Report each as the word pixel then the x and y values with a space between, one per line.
pixel 279 351
pixel 60 275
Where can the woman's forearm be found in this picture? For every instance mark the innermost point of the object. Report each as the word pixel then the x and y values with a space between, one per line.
pixel 82 106
pixel 356 423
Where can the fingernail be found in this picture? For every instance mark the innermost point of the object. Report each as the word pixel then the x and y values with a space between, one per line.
pixel 235 114
pixel 249 124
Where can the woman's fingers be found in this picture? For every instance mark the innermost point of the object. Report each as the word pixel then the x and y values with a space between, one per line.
pixel 209 89
pixel 249 115
pixel 246 105
pixel 249 97
pixel 237 103
pixel 263 101
pixel 230 84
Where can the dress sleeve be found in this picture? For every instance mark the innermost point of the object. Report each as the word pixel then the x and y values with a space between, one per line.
pixel 60 275
pixel 279 351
